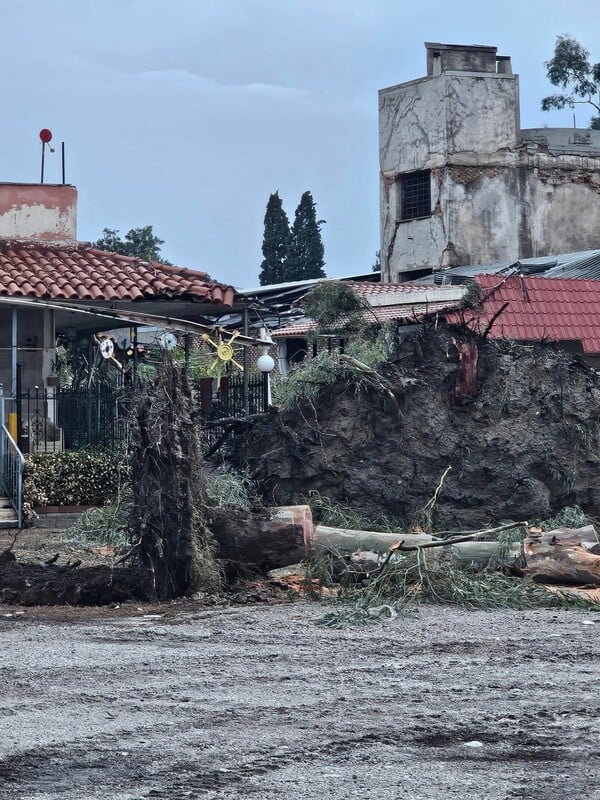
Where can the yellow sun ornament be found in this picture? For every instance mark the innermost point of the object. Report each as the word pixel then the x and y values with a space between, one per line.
pixel 224 353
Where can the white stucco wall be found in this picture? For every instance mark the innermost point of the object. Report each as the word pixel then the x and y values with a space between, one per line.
pixel 520 207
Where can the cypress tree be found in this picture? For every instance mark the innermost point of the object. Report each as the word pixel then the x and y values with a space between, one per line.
pixel 305 259
pixel 276 243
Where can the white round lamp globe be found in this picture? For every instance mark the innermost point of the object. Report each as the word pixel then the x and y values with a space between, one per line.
pixel 265 363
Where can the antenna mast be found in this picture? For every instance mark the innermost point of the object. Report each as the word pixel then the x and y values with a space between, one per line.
pixel 45 138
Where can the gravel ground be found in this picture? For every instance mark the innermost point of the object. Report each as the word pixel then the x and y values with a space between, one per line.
pixel 260 702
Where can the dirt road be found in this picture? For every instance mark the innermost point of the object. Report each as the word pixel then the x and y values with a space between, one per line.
pixel 259 702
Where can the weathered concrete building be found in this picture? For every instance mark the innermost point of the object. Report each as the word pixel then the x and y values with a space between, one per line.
pixel 461 183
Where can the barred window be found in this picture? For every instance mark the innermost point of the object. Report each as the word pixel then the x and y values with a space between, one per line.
pixel 415 189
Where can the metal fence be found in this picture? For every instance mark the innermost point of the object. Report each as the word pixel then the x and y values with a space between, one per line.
pixel 12 465
pixel 50 420
pixel 231 397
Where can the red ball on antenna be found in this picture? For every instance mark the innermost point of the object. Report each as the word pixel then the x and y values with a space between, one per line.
pixel 45 135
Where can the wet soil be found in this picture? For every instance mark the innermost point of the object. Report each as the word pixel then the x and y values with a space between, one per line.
pixel 524 446
pixel 181 701
pixel 47 567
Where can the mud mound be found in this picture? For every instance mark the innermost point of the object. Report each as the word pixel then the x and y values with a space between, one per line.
pixel 33 584
pixel 524 446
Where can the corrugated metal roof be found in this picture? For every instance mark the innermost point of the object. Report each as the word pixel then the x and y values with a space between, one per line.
pixel 584 268
pixel 581 264
pixel 539 309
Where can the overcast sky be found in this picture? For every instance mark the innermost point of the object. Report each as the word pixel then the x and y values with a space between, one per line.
pixel 187 114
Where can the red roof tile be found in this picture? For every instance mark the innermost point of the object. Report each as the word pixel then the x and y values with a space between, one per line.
pixel 539 309
pixel 389 313
pixel 80 272
pixel 367 289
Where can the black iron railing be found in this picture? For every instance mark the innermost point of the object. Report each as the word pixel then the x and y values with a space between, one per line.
pixel 72 418
pixel 50 420
pixel 12 464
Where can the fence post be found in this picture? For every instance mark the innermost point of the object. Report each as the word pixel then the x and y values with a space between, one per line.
pixel 18 403
pixel 2 437
pixel 246 365
pixel 89 399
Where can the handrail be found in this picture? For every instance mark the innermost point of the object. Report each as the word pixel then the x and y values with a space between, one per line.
pixel 13 465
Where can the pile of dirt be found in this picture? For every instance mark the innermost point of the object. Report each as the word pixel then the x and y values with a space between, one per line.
pixel 50 584
pixel 526 445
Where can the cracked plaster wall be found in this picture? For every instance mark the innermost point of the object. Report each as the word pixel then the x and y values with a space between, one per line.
pixel 493 197
pixel 44 212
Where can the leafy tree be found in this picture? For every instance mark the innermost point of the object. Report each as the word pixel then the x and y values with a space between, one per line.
pixel 570 68
pixel 305 260
pixel 140 242
pixel 276 243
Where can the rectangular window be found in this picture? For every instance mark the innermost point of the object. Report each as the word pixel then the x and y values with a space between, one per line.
pixel 415 189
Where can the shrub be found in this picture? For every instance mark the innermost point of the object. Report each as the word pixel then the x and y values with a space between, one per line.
pixel 108 525
pixel 334 306
pixel 74 477
pixel 226 486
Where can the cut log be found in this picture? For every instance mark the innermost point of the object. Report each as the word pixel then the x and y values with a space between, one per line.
pixel 252 541
pixel 561 562
pixel 585 536
pixel 344 541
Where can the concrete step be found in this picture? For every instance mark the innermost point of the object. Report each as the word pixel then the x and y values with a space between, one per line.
pixel 8 515
pixel 57 520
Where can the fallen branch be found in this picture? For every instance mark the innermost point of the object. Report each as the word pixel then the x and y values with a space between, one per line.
pixel 457 539
pixel 376 380
pixel 489 531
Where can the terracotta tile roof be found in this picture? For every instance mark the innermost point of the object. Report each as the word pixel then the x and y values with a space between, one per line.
pixel 367 289
pixel 80 272
pixel 391 313
pixel 539 309
pixel 371 291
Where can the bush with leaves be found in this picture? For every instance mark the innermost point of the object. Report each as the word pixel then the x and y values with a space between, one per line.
pixel 228 487
pixel 74 477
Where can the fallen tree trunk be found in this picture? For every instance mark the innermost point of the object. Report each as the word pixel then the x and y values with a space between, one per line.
pixel 262 540
pixel 344 541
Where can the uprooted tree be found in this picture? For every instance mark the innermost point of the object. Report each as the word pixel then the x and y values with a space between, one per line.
pixel 173 542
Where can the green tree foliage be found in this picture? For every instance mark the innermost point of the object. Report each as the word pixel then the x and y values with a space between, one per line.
pixel 570 69
pixel 276 243
pixel 139 242
pixel 305 260
pixel 334 306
